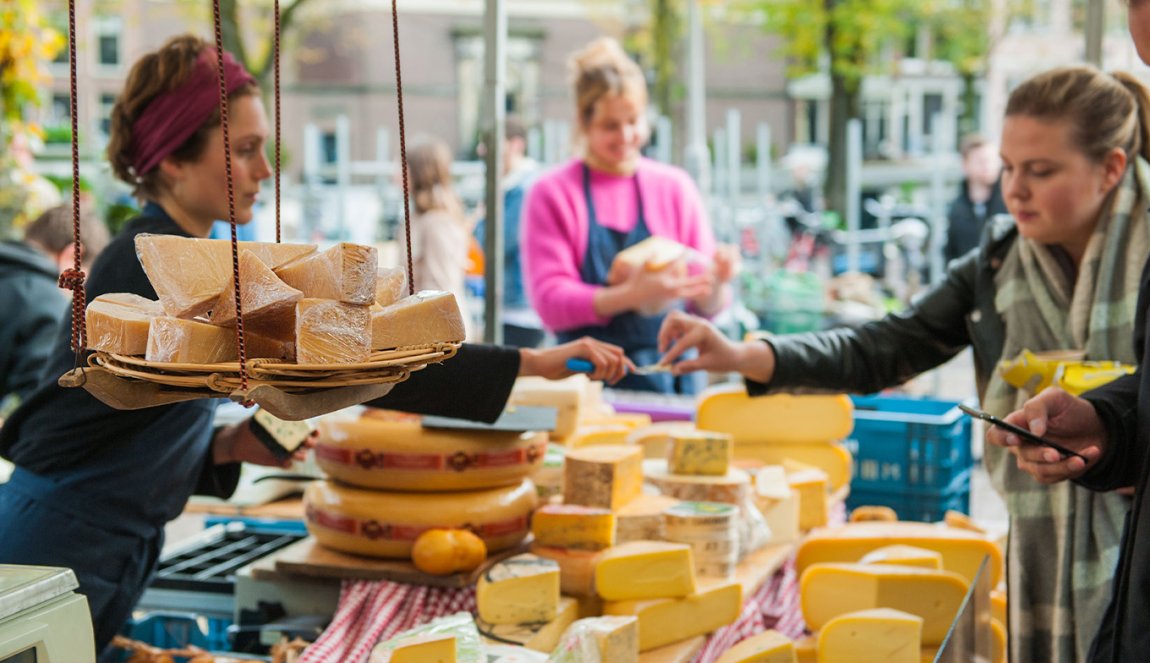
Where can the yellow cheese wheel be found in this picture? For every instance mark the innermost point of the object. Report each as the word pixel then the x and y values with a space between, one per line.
pixel 403 455
pixel 731 488
pixel 386 524
pixel 778 418
pixel 962 551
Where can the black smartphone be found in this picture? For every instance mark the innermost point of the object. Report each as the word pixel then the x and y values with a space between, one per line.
pixel 1020 432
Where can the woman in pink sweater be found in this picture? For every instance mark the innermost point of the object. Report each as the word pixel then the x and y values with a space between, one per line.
pixel 581 214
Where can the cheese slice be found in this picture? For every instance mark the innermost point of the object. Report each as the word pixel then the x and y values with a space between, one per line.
pixel 570 397
pixel 767 647
pixel 700 452
pixel 903 555
pixel 425 318
pixel 390 285
pixel 537 636
pixel 645 570
pixel 268 303
pixel 607 476
pixel 576 568
pixel 778 503
pixel 811 487
pixel 834 459
pixel 666 621
pixel 599 639
pixel 807 649
pixel 180 341
pixel 830 590
pixel 881 635
pixel 330 332
pixel 403 455
pixel 118 323
pixel 346 273
pixel 732 488
pixel 962 551
pixel 189 274
pixel 775 419
pixel 381 523
pixel 573 526
pixel 519 590
pixel 425 649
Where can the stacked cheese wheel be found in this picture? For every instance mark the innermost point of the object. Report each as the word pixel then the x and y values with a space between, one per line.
pixel 393 480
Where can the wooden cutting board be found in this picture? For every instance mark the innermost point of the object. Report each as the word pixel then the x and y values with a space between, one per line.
pixel 307 557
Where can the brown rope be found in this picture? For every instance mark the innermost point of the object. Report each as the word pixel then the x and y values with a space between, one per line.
pixel 276 50
pixel 231 194
pixel 73 279
pixel 402 150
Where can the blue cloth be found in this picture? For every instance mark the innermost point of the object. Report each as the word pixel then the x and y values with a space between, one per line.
pixel 223 230
pixel 637 334
pixel 514 293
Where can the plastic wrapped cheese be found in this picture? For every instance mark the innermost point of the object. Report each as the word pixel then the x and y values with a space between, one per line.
pixel 599 640
pixel 390 285
pixel 459 626
pixel 118 322
pixel 331 332
pixel 382 523
pixel 179 341
pixel 189 274
pixel 345 273
pixel 425 318
pixel 268 303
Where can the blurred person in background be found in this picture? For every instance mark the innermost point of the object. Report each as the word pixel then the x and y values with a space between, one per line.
pixel 1059 273
pixel 31 298
pixel 440 229
pixel 581 214
pixel 979 198
pixel 522 327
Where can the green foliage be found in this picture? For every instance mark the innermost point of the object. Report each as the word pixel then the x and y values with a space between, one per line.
pixel 657 43
pixel 61 135
pixel 118 214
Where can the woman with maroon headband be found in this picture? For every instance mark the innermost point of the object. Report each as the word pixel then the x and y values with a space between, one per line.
pixel 93 486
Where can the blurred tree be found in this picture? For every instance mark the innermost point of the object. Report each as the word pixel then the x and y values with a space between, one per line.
pixel 656 41
pixel 27 45
pixel 844 38
pixel 249 29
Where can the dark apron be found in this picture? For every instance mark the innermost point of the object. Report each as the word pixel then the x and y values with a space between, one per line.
pixel 636 334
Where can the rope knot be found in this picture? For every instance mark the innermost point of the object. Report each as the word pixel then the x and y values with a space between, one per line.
pixel 72 279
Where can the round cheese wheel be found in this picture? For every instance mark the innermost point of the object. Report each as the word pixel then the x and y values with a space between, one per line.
pixel 403 455
pixel 385 524
pixel 730 488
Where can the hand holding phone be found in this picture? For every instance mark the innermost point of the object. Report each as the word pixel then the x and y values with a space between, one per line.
pixel 1020 432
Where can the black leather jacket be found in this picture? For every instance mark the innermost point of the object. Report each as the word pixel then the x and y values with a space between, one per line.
pixel 956 313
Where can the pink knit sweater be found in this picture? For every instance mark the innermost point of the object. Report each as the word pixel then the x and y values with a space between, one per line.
pixel 554 230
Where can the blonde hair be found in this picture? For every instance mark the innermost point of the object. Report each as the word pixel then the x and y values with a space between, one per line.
pixel 429 169
pixel 1105 110
pixel 602 68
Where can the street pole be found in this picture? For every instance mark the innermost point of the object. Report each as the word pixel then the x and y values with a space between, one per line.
pixel 1095 26
pixel 696 157
pixel 495 56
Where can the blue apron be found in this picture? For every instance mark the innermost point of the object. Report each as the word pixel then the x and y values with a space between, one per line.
pixel 636 334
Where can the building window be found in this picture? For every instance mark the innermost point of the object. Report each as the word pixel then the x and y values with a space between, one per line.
pixel 109 31
pixel 107 101
pixel 60 110
pixel 522 93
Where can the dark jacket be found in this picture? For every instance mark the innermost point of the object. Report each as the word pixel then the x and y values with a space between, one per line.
pixel 939 324
pixel 32 306
pixel 965 220
pixel 1124 407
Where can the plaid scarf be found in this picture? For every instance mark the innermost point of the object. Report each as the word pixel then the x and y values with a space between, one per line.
pixel 1064 540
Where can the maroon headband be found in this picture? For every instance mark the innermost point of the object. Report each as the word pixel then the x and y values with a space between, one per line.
pixel 174 116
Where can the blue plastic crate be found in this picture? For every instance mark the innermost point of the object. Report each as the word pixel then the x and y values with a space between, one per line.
pixel 900 442
pixel 177 630
pixel 923 504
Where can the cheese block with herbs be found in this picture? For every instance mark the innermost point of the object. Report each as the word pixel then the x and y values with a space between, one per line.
pixel 519 590
pixel 403 455
pixel 606 476
pixel 386 523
